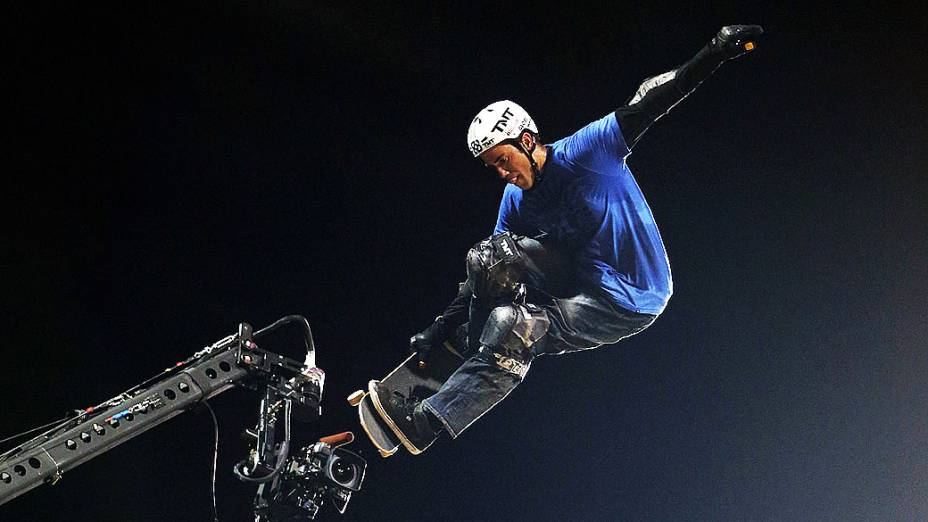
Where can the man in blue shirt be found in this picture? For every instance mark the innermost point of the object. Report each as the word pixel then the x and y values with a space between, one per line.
pixel 575 262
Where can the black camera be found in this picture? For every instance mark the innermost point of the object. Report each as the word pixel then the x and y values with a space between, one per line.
pixel 315 474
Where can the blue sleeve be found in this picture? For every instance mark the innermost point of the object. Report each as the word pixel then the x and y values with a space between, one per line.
pixel 506 218
pixel 599 146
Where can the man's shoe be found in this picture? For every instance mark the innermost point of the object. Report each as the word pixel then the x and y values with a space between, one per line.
pixel 404 416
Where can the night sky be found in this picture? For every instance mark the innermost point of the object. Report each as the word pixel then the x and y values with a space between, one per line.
pixel 171 172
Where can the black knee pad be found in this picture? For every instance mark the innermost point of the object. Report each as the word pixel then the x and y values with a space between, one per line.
pixel 511 330
pixel 495 266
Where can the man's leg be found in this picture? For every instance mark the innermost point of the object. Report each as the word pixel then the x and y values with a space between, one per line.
pixel 586 321
pixel 512 337
pixel 499 365
pixel 501 362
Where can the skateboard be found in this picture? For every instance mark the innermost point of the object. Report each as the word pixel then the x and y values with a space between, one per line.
pixel 412 380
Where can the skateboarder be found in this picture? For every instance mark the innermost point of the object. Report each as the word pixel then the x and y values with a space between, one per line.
pixel 576 260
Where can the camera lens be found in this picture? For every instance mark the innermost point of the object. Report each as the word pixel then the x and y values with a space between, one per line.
pixel 344 469
pixel 343 472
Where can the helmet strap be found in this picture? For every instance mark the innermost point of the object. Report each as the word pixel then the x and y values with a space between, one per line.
pixel 531 159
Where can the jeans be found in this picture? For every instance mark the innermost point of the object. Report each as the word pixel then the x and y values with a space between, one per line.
pixel 579 320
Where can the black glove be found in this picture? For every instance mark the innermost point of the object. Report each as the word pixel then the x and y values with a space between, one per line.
pixel 732 40
pixel 423 342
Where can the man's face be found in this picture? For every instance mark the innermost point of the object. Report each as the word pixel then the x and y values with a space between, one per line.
pixel 510 164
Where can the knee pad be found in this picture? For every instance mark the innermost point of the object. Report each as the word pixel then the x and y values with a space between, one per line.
pixel 511 330
pixel 509 334
pixel 495 266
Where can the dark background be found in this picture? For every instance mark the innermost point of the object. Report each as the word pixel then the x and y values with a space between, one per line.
pixel 172 171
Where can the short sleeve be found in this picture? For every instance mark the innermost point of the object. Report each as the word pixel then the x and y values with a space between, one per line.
pixel 598 146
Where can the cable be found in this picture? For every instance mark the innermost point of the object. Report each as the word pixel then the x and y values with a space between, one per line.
pixel 307 330
pixel 215 456
pixel 59 421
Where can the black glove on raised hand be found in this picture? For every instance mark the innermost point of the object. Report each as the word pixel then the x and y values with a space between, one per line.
pixel 734 40
pixel 423 342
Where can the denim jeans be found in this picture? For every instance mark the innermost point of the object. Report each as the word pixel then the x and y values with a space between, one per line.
pixel 580 319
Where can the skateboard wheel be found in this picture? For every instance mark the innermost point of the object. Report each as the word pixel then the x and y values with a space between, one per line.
pixel 355 398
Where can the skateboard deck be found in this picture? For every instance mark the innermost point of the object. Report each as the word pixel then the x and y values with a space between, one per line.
pixel 410 380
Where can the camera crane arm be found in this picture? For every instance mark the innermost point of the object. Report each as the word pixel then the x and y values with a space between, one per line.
pixel 211 371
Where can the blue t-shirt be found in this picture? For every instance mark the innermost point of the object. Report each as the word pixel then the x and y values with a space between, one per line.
pixel 588 203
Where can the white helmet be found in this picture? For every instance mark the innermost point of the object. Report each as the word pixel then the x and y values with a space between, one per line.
pixel 496 123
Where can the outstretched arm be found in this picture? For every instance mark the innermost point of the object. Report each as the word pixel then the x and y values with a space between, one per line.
pixel 657 95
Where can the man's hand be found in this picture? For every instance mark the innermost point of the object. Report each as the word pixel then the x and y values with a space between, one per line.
pixel 733 41
pixel 423 342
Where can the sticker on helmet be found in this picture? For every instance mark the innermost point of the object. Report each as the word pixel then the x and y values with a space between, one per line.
pixel 503 120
